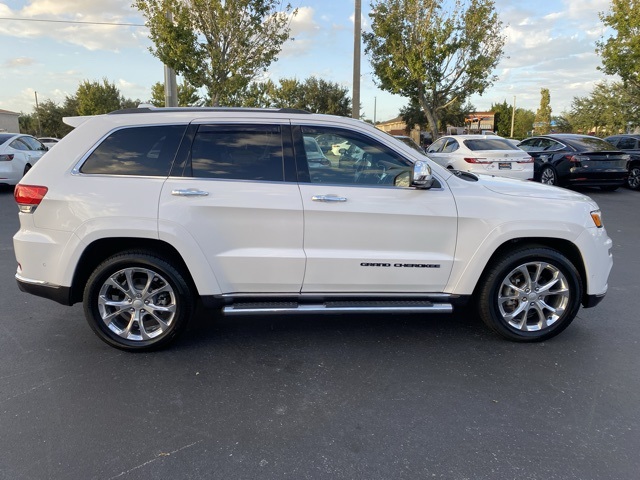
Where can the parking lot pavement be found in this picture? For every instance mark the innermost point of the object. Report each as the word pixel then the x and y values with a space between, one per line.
pixel 398 396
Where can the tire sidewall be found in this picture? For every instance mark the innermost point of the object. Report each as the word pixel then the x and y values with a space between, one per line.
pixel 488 306
pixel 183 298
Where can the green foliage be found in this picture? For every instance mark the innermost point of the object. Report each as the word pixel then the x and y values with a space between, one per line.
pixel 543 115
pixel 313 95
pixel 621 52
pixel 95 98
pixel 187 95
pixel 433 55
pixel 219 44
pixel 610 108
pixel 523 120
pixel 523 123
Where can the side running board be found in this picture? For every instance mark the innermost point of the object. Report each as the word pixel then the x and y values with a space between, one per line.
pixel 280 308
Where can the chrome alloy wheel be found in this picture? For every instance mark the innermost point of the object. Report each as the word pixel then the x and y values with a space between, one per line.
pixel 634 178
pixel 533 296
pixel 548 176
pixel 137 304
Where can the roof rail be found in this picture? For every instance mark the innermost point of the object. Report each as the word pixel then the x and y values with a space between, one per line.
pixel 151 109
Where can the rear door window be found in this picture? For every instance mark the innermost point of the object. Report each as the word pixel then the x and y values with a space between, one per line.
pixel 238 152
pixel 144 151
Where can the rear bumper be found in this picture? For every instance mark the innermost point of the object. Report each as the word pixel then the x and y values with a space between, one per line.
pixel 56 293
pixel 592 300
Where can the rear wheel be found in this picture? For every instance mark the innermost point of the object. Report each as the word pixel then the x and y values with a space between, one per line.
pixel 530 295
pixel 548 176
pixel 136 301
pixel 633 182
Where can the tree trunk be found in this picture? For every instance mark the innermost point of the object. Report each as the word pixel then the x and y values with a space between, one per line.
pixel 432 116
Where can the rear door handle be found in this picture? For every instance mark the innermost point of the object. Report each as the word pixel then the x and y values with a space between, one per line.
pixel 189 192
pixel 328 198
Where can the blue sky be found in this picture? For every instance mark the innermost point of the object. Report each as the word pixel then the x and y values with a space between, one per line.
pixel 550 44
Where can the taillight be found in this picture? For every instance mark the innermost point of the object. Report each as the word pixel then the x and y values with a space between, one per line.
pixel 476 160
pixel 6 158
pixel 576 158
pixel 528 160
pixel 28 197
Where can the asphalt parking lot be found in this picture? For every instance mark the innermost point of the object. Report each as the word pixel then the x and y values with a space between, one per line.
pixel 359 397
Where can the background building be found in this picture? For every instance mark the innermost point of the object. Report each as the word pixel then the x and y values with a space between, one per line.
pixel 9 121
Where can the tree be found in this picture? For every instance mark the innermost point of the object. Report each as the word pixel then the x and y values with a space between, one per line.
pixel 219 44
pixel 313 95
pixel 621 52
pixel 435 56
pixel 523 123
pixel 187 95
pixel 502 118
pixel 95 98
pixel 543 115
pixel 610 108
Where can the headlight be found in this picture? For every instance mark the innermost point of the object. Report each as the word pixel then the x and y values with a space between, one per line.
pixel 596 216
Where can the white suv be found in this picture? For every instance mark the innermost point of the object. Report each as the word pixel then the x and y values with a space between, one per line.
pixel 140 213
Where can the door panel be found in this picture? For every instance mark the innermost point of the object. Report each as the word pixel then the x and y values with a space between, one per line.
pixel 234 202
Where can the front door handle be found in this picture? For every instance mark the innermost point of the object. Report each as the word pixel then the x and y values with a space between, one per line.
pixel 189 192
pixel 328 198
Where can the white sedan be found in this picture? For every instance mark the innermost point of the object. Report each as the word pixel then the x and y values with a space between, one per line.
pixel 488 154
pixel 18 153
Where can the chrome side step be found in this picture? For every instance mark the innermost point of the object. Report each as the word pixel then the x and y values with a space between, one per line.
pixel 281 308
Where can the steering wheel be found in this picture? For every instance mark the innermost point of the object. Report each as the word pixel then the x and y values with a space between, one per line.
pixel 361 166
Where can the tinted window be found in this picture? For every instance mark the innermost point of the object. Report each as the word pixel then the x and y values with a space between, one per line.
pixel 489 144
pixel 588 144
pixel 353 159
pixel 451 146
pixel 18 144
pixel 4 137
pixel 240 152
pixel 528 145
pixel 33 143
pixel 436 146
pixel 147 151
pixel 627 143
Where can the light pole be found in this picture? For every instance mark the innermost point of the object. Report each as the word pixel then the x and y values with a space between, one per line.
pixel 170 85
pixel 357 28
pixel 513 116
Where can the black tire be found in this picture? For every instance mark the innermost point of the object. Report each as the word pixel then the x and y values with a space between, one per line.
pixel 609 188
pixel 136 301
pixel 633 182
pixel 548 176
pixel 528 315
pixel 27 167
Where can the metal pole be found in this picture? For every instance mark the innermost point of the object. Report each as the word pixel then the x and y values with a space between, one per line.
pixel 38 114
pixel 375 108
pixel 513 115
pixel 170 85
pixel 357 28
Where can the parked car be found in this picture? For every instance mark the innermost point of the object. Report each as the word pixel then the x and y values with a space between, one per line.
pixel 141 215
pixel 315 156
pixel 629 144
pixel 488 154
pixel 569 159
pixel 18 153
pixel 48 142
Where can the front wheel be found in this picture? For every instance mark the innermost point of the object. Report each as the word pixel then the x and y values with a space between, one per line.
pixel 136 301
pixel 529 295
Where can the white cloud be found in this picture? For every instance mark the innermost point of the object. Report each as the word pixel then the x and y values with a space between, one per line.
pixel 304 30
pixel 91 37
pixel 19 62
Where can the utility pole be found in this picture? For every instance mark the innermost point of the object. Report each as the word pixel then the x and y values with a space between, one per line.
pixel 38 114
pixel 513 116
pixel 357 29
pixel 170 85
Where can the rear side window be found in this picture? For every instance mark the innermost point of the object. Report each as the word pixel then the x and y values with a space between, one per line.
pixel 144 151
pixel 627 143
pixel 238 152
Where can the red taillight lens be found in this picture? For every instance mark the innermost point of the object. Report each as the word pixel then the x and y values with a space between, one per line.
pixel 6 158
pixel 476 160
pixel 529 160
pixel 28 197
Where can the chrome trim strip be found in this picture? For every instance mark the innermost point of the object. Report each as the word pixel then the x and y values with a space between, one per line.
pixel 379 295
pixel 32 281
pixel 435 308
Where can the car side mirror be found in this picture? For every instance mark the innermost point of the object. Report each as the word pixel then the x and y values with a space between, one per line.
pixel 421 176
